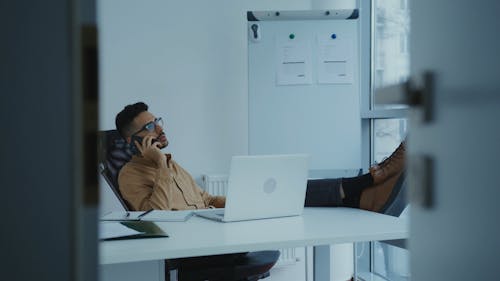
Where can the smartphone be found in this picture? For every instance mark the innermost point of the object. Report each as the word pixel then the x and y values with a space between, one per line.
pixel 133 147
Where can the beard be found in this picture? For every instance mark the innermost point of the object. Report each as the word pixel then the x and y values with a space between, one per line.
pixel 164 143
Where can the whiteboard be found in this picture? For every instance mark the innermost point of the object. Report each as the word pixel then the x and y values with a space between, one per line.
pixel 315 117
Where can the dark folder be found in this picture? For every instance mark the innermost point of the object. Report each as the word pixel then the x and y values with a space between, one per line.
pixel 148 229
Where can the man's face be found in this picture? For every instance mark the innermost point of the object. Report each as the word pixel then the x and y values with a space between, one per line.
pixel 146 120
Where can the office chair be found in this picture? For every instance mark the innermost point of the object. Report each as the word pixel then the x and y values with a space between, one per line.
pixel 250 266
pixel 114 152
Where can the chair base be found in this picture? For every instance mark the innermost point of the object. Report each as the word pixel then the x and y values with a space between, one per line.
pixel 232 267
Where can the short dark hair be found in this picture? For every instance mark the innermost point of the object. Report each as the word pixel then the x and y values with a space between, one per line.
pixel 124 118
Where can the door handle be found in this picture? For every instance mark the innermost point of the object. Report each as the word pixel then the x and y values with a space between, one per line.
pixel 417 92
pixel 421 180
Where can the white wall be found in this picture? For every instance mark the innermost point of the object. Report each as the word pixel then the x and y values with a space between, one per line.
pixel 188 61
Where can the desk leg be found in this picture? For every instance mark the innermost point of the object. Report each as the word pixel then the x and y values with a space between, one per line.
pixel 322 262
pixel 355 261
pixel 333 262
pixel 144 271
pixel 172 274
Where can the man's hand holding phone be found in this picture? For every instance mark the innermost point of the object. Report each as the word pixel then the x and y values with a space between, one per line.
pixel 148 147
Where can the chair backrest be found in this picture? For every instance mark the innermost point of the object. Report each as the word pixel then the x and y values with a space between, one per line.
pixel 114 152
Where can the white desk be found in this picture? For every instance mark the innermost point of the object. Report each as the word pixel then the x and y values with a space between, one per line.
pixel 199 237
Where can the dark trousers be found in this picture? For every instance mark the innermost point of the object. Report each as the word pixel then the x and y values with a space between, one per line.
pixel 323 193
pixel 326 192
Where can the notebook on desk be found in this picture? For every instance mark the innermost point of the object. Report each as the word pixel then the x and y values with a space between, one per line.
pixel 264 186
pixel 130 230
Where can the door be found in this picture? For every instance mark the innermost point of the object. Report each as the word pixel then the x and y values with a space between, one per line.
pixel 455 229
pixel 48 229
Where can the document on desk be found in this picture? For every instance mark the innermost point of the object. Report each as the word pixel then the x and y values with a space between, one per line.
pixel 154 215
pixel 160 215
pixel 129 230
pixel 121 216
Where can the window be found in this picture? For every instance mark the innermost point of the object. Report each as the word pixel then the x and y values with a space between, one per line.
pixel 387 135
pixel 390 36
pixel 403 4
pixel 384 126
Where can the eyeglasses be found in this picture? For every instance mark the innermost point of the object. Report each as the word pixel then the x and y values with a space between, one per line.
pixel 150 126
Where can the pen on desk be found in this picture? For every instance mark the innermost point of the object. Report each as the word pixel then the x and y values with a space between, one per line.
pixel 143 214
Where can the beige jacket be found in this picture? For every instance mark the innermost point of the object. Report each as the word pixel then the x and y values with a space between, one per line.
pixel 146 186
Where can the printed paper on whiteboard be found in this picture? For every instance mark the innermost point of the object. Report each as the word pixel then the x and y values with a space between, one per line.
pixel 293 65
pixel 335 61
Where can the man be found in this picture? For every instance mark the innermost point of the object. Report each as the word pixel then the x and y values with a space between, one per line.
pixel 153 180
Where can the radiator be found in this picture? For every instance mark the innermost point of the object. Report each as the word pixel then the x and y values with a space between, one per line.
pixel 217 185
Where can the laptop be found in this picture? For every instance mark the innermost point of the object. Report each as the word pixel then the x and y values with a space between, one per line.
pixel 263 186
